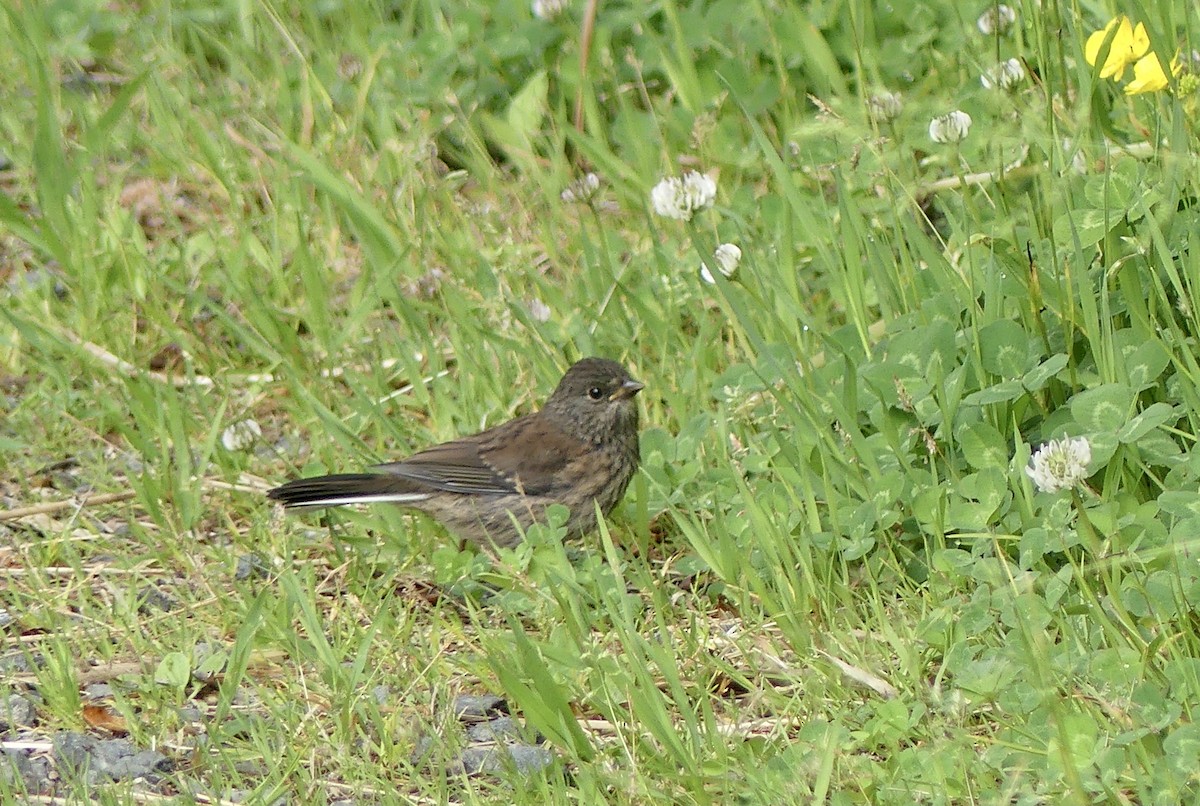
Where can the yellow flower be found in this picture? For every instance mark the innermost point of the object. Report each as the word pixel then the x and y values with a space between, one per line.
pixel 1148 75
pixel 1127 45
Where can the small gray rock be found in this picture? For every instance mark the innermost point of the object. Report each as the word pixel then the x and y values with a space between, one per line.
pixel 494 730
pixel 140 765
pixel 252 566
pixel 530 758
pixel 98 691
pixel 476 761
pixel 20 765
pixel 251 767
pixel 473 708
pixel 524 758
pixel 190 713
pixel 151 598
pixel 17 711
pixel 21 663
pixel 422 752
pixel 73 753
pixel 115 759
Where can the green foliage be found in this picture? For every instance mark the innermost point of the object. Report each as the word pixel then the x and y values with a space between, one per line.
pixel 834 580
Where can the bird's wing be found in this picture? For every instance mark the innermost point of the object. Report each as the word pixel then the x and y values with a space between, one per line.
pixel 519 457
pixel 455 467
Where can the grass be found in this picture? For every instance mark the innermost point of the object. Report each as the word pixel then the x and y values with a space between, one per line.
pixel 833 580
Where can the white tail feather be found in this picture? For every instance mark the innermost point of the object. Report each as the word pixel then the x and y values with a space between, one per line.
pixel 380 498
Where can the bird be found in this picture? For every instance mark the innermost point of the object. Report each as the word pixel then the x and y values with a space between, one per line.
pixel 580 450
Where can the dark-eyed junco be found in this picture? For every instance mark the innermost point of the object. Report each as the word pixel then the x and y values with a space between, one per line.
pixel 580 450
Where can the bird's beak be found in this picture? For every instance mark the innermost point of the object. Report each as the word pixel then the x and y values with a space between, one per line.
pixel 627 389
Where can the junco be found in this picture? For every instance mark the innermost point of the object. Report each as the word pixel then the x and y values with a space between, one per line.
pixel 580 450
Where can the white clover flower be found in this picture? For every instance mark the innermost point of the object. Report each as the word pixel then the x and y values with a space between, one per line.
pixel 240 435
pixel 950 128
pixel 996 20
pixel 1060 465
pixel 681 196
pixel 885 106
pixel 539 310
pixel 727 257
pixel 1005 75
pixel 581 189
pixel 548 9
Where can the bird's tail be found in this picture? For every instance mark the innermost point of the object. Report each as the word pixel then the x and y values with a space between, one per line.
pixel 345 488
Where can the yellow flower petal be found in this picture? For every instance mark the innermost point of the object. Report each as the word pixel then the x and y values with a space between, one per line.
pixel 1148 75
pixel 1126 46
pixel 1140 42
pixel 1091 50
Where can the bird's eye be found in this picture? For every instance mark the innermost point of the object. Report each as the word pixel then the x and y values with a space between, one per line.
pixel 595 393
